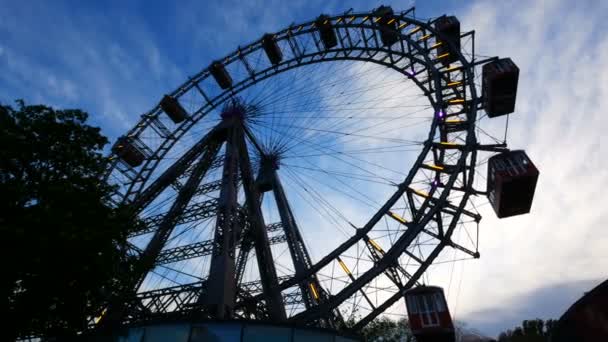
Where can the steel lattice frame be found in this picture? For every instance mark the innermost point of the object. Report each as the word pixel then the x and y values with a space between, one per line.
pixel 451 91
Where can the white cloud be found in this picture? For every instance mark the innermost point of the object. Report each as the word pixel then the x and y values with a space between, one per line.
pixel 563 69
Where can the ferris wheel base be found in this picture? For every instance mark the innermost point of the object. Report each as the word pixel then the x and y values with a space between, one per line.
pixel 221 331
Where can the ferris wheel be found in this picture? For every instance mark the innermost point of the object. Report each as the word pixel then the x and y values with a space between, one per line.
pixel 318 173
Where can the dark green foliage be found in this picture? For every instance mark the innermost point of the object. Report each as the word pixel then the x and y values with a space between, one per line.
pixel 535 330
pixel 62 245
pixel 385 329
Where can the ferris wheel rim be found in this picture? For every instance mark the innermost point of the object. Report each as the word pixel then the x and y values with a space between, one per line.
pixel 470 141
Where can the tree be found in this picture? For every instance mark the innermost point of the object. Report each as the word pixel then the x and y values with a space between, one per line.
pixel 387 330
pixel 63 245
pixel 384 329
pixel 535 330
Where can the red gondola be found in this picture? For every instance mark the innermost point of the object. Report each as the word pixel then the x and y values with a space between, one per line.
pixel 512 180
pixel 499 87
pixel 429 317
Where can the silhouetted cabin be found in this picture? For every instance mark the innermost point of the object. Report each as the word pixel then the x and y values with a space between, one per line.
pixel 511 183
pixel 428 314
pixel 271 47
pixel 448 29
pixel 173 109
pixel 128 152
pixel 326 31
pixel 218 71
pixel 388 25
pixel 499 86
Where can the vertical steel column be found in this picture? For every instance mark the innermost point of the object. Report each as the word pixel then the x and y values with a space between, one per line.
pixel 299 255
pixel 297 249
pixel 221 287
pixel 268 274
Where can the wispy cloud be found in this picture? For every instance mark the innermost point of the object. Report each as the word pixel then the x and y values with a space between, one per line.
pixel 554 299
pixel 107 64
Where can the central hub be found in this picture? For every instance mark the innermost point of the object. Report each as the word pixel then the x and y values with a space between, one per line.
pixel 269 163
pixel 271 160
pixel 236 110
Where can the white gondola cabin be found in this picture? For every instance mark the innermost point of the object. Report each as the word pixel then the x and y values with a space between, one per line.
pixel 428 314
pixel 512 180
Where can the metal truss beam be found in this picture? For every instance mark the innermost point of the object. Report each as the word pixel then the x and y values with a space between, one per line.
pixel 199 249
pixel 175 171
pixel 247 245
pixel 208 187
pixel 183 299
pixel 217 163
pixel 394 271
pixel 376 254
pixel 169 300
pixel 117 309
pixel 254 287
pixel 194 212
pixel 449 242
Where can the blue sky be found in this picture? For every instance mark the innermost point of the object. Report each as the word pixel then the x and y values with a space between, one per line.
pixel 148 47
pixel 116 59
